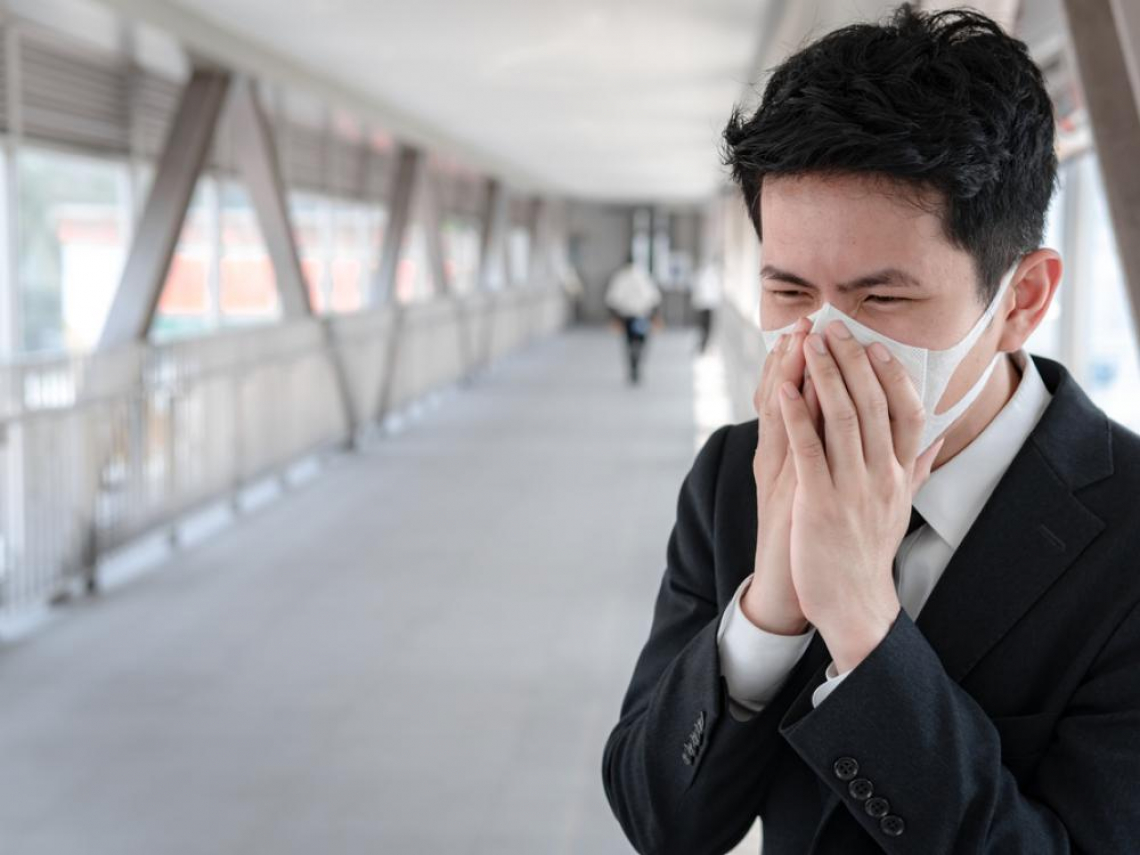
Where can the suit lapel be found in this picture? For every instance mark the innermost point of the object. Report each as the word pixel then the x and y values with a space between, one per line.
pixel 1029 531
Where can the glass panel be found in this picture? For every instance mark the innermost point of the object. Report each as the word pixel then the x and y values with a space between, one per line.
pixel 413 279
pixel 349 257
pixel 1108 340
pixel 73 237
pixel 461 252
pixel 248 286
pixel 310 219
pixel 375 220
pixel 518 255
pixel 1046 339
pixel 185 306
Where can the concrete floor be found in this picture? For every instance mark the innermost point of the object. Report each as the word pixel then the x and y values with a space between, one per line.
pixel 420 651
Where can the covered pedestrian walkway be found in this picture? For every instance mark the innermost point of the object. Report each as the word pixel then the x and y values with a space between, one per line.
pixel 419 650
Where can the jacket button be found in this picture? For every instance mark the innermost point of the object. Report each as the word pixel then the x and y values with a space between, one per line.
pixel 860 789
pixel 892 825
pixel 876 807
pixel 846 768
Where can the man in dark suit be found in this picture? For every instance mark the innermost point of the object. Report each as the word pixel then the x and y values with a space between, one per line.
pixel 967 681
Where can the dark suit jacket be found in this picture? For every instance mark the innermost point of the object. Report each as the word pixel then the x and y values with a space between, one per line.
pixel 1006 719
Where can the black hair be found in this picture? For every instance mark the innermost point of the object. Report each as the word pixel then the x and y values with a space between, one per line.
pixel 944 101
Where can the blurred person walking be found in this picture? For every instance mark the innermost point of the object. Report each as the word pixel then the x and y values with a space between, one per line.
pixel 634 301
pixel 705 297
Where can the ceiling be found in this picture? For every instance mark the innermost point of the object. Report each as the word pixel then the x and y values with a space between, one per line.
pixel 616 100
pixel 597 98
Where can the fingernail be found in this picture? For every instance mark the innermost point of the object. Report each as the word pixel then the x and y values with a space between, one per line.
pixel 816 341
pixel 789 389
pixel 839 329
pixel 881 352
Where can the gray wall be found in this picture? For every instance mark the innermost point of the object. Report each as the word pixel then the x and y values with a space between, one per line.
pixel 599 238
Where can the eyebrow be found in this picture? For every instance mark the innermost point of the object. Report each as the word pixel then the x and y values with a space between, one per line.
pixel 890 277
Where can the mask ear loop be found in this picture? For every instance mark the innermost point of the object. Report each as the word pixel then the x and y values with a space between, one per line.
pixel 972 338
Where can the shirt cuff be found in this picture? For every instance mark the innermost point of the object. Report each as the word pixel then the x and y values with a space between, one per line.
pixel 754 662
pixel 828 686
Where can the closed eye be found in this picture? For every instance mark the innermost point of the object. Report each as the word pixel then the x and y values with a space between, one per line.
pixel 882 298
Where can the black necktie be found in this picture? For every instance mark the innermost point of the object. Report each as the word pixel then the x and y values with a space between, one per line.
pixel 916 520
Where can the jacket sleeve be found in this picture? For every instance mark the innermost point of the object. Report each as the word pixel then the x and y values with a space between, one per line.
pixel 933 758
pixel 680 773
pixel 755 663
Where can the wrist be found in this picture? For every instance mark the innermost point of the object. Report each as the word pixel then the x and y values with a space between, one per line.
pixel 756 609
pixel 851 643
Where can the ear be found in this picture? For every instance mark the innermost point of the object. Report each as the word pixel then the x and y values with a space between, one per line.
pixel 1034 286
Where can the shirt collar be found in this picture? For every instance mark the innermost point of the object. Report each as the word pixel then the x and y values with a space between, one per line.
pixel 956 491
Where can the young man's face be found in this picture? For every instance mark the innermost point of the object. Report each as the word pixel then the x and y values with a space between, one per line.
pixel 828 231
pixel 825 232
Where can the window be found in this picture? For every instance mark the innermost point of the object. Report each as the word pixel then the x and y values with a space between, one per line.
pixel 188 304
pixel 518 255
pixel 74 227
pixel 338 242
pixel 461 252
pixel 1106 339
pixel 375 221
pixel 1046 339
pixel 248 286
pixel 310 219
pixel 413 278
pixel 349 261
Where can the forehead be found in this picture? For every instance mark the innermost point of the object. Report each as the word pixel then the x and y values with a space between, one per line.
pixel 838 222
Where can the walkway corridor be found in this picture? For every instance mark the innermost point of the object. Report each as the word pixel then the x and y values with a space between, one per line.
pixel 420 651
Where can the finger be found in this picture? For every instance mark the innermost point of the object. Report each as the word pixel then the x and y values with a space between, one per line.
pixel 764 384
pixel 812 400
pixel 812 469
pixel 773 441
pixel 784 363
pixel 867 393
pixel 922 467
pixel 840 418
pixel 903 404
pixel 793 365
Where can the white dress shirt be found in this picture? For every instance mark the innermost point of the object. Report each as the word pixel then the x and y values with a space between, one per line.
pixel 632 291
pixel 755 662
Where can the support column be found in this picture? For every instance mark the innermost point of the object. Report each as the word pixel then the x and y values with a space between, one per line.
pixel 152 248
pixel 256 157
pixel 432 222
pixel 1127 16
pixel 1105 45
pixel 11 322
pixel 409 173
pixel 492 260
pixel 257 161
pixel 408 162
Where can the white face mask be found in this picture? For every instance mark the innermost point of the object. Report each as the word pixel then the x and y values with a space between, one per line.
pixel 929 370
